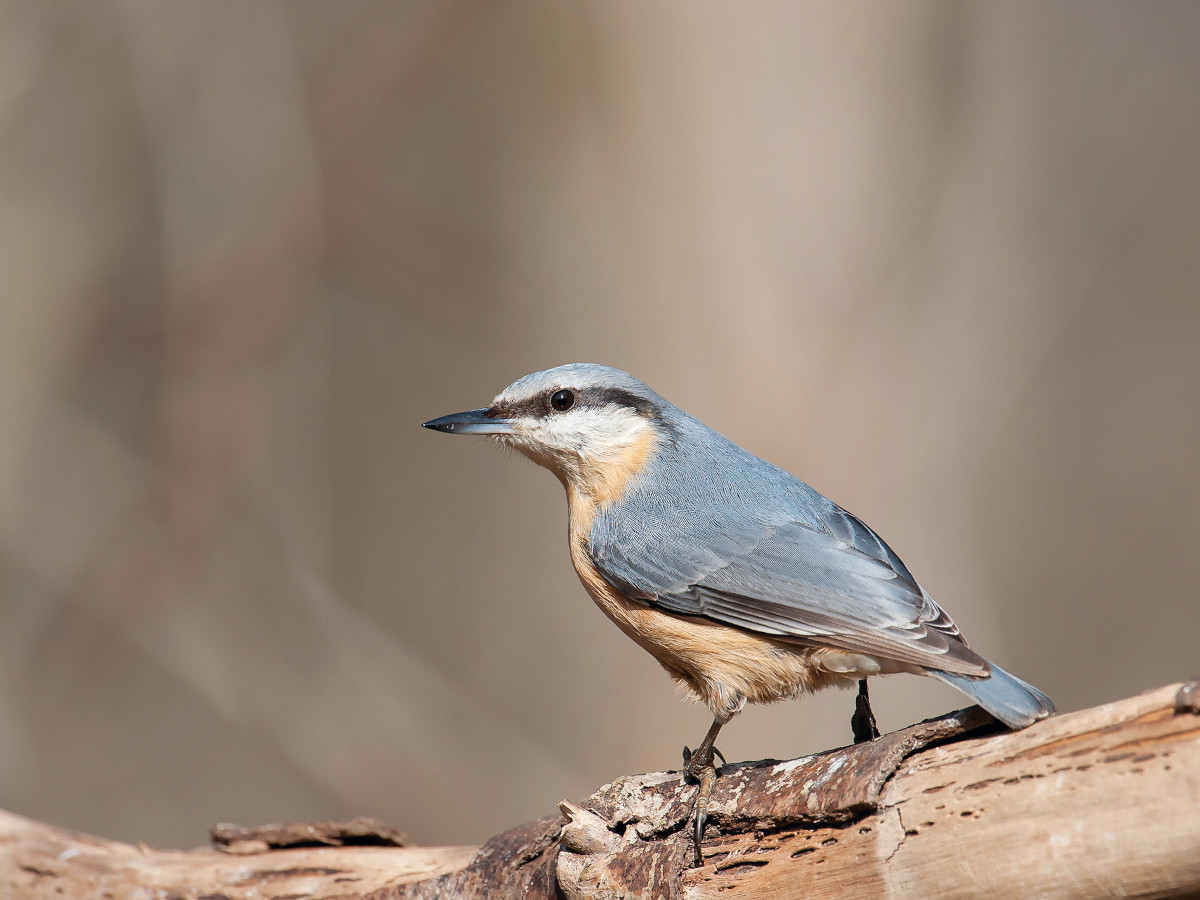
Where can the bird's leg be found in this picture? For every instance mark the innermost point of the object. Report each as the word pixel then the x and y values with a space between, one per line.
pixel 862 723
pixel 698 765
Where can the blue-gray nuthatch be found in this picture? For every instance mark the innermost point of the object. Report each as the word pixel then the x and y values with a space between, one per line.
pixel 742 581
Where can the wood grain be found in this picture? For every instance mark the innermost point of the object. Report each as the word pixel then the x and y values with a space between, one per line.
pixel 39 861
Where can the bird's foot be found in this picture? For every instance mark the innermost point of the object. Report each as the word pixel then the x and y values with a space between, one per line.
pixel 862 723
pixel 704 771
pixel 699 766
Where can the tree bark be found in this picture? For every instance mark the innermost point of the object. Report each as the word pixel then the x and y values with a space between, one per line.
pixel 1098 803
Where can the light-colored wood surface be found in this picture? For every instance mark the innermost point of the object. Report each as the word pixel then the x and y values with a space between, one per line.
pixel 39 861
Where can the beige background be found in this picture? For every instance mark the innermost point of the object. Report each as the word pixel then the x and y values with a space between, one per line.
pixel 940 260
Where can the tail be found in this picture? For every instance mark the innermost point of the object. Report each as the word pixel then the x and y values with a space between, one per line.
pixel 1005 696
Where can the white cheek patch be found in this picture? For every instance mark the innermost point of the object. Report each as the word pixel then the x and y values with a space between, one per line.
pixel 591 435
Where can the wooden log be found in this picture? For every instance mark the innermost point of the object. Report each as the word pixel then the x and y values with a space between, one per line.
pixel 39 861
pixel 1099 803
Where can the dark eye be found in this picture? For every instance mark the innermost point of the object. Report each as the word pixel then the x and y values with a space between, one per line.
pixel 562 400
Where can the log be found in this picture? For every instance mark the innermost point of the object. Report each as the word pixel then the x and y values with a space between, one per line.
pixel 1099 803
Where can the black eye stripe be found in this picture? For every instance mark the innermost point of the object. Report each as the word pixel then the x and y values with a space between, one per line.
pixel 541 404
pixel 618 397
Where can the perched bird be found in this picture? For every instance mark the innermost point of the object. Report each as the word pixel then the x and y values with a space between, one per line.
pixel 741 580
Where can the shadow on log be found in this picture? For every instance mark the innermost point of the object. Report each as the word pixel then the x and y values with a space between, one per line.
pixel 1102 802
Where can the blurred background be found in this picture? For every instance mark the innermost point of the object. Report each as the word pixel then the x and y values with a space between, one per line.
pixel 940 260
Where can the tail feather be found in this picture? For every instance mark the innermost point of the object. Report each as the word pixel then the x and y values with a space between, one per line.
pixel 1005 696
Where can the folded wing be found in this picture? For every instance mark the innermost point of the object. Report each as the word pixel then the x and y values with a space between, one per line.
pixel 820 578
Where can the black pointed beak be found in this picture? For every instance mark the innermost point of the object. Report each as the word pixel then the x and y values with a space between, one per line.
pixel 473 421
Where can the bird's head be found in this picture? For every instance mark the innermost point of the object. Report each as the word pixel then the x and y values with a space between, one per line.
pixel 593 426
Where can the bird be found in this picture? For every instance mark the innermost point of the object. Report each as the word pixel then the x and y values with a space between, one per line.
pixel 742 581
